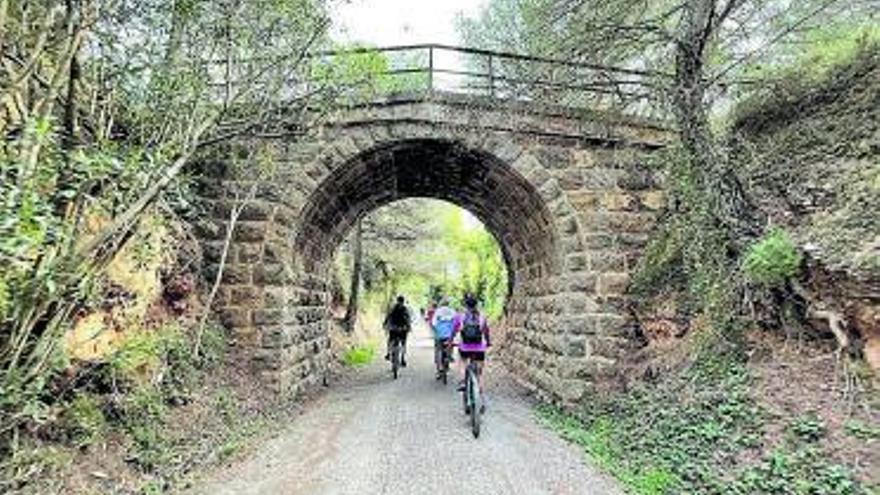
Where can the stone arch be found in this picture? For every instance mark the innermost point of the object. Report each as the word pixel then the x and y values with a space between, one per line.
pixel 509 205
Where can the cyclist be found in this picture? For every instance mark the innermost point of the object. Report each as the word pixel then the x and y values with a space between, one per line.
pixel 429 314
pixel 473 330
pixel 442 324
pixel 397 324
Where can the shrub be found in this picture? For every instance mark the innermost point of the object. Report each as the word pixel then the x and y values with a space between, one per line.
pixel 772 260
pixel 359 355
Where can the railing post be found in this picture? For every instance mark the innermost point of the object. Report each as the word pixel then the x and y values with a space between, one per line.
pixel 491 77
pixel 431 69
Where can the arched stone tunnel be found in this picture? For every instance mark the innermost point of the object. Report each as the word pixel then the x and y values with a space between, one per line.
pixel 569 199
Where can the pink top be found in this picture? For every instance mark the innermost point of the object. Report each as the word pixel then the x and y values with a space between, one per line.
pixel 480 347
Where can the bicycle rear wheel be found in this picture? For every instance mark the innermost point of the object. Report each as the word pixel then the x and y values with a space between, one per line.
pixel 474 392
pixel 395 359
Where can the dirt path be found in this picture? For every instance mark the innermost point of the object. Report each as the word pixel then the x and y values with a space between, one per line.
pixel 375 435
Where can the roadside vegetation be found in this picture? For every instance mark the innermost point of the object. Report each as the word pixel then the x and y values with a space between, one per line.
pixel 745 282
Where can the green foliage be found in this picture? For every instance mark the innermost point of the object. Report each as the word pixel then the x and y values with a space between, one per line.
pixel 797 472
pixel 426 248
pixel 359 73
pixel 809 428
pixel 823 51
pixel 862 430
pixel 84 419
pixel 360 355
pixel 772 260
pixel 672 437
pixel 143 411
pixel 660 267
pixel 684 433
pixel 479 264
pixel 598 438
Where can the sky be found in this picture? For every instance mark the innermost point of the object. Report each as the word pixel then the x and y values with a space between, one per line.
pixel 401 22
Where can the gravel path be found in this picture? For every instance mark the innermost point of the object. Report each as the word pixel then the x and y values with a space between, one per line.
pixel 375 435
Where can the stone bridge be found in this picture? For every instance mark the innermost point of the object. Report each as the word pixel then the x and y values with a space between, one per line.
pixel 567 194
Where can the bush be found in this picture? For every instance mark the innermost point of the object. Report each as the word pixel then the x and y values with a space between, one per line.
pixel 772 260
pixel 359 355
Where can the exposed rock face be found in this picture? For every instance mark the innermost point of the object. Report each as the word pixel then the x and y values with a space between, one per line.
pixel 568 197
pixel 810 159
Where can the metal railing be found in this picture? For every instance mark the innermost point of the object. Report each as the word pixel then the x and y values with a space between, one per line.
pixel 436 67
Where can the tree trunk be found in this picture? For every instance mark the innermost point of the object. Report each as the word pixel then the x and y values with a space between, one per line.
pixel 715 185
pixel 354 293
pixel 711 207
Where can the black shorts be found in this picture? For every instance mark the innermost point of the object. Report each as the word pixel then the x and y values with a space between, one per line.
pixel 397 335
pixel 476 355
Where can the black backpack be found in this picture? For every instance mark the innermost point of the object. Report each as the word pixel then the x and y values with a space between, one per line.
pixel 399 317
pixel 472 329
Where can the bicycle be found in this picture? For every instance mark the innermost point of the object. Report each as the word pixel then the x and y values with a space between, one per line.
pixel 444 363
pixel 395 351
pixel 472 396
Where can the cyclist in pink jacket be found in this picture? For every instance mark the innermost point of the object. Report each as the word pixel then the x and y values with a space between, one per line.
pixel 473 331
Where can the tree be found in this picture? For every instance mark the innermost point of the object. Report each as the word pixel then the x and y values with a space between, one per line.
pixel 102 105
pixel 694 50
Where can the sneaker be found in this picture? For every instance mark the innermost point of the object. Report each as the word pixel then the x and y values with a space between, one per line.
pixel 403 363
pixel 460 386
pixel 387 357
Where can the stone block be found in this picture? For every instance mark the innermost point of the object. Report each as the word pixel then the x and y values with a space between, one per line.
pixel 576 262
pixel 580 282
pixel 233 274
pixel 608 324
pixel 212 252
pixel 275 337
pixel 653 200
pixel 276 297
pixel 256 211
pixel 612 283
pixel 618 201
pixel 245 295
pixel 637 180
pixel 580 325
pixel 585 200
pixel 268 316
pixel 571 179
pixel 248 252
pixel 584 158
pixel 629 222
pixel 598 240
pixel 235 317
pixel 553 157
pixel 250 231
pixel 607 261
pixel 210 230
pixel 270 274
pixel 610 347
pixel 601 179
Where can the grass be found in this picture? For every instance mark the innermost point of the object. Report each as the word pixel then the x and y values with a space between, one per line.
pixel 359 355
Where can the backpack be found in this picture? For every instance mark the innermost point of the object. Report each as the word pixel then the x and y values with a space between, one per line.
pixel 444 324
pixel 399 317
pixel 472 329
